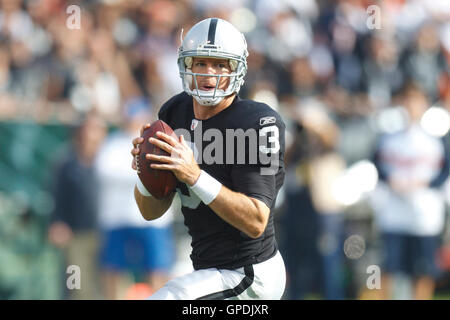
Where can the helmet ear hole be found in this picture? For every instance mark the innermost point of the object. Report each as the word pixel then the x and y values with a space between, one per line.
pixel 188 62
pixel 233 64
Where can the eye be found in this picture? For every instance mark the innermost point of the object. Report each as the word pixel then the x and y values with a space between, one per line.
pixel 222 64
pixel 199 64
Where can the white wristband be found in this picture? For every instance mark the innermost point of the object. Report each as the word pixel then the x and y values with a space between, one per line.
pixel 206 188
pixel 142 189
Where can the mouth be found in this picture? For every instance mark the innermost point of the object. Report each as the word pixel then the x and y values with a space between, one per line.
pixel 207 87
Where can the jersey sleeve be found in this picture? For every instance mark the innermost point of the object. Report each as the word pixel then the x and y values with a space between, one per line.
pixel 444 171
pixel 260 180
pixel 249 181
pixel 377 161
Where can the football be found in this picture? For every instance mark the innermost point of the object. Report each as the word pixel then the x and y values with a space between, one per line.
pixel 159 183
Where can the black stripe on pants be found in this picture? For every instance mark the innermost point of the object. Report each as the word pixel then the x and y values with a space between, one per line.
pixel 234 292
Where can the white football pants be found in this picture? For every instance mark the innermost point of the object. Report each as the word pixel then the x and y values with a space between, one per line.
pixel 265 280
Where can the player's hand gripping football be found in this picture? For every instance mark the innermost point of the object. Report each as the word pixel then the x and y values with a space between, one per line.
pixel 181 161
pixel 136 142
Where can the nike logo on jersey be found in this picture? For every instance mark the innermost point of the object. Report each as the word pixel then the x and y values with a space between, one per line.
pixel 267 120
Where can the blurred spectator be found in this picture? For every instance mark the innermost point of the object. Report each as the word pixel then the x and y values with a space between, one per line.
pixel 130 245
pixel 425 60
pixel 383 76
pixel 408 204
pixel 325 166
pixel 349 73
pixel 74 225
pixel 313 221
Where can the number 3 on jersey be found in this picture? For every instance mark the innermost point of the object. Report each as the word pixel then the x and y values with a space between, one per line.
pixel 273 139
pixel 188 198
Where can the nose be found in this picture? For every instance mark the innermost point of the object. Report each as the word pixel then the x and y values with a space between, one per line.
pixel 210 68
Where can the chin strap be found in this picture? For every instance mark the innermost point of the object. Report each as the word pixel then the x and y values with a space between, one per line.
pixel 208 102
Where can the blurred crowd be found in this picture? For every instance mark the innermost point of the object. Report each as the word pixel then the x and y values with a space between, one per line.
pixel 340 72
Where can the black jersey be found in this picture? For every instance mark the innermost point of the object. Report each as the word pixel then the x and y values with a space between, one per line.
pixel 256 170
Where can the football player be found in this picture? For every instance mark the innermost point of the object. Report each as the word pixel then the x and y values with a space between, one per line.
pixel 227 199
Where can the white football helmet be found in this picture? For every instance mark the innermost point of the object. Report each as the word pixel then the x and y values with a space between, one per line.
pixel 213 38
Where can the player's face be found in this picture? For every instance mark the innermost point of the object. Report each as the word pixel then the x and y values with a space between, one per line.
pixel 213 67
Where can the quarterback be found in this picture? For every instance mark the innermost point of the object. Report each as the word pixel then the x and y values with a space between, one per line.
pixel 227 206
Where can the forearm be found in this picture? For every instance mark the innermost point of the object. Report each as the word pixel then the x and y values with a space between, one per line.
pixel 242 212
pixel 150 207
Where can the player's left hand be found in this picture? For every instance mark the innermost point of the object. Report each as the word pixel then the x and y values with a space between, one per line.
pixel 181 161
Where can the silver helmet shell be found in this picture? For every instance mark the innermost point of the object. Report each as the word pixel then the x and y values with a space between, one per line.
pixel 213 38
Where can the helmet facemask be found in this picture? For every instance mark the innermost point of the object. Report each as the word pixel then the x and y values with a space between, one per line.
pixel 213 97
